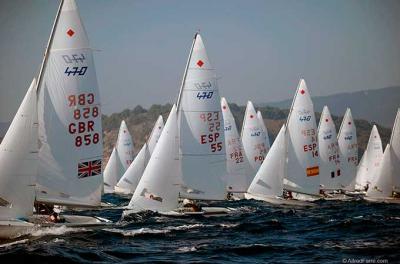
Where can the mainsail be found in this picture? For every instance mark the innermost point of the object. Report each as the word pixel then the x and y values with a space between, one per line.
pixel 124 146
pixel 69 114
pixel 238 179
pixel 18 161
pixel 395 147
pixel 264 129
pixel 329 170
pixel 200 123
pixel 370 161
pixel 253 138
pixel 348 147
pixel 303 160
pixel 120 159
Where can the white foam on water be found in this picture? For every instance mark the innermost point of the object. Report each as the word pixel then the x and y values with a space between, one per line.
pixel 145 230
pixel 186 249
pixel 228 225
pixel 22 241
pixel 59 230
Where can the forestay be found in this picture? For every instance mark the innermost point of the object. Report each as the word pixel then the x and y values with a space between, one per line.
pixel 70 133
pixel 330 170
pixel 202 143
pixel 238 179
pixel 18 161
pixel 303 160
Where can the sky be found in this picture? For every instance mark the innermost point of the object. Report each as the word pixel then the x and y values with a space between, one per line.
pixel 260 48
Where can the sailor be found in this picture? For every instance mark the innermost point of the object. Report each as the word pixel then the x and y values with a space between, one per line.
pixel 55 218
pixel 192 205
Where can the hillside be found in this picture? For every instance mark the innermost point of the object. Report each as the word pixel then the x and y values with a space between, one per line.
pixel 140 122
pixel 379 106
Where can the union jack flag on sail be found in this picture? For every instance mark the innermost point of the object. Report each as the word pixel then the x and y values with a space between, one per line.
pixel 89 168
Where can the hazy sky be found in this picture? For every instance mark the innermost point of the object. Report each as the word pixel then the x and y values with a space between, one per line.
pixel 259 48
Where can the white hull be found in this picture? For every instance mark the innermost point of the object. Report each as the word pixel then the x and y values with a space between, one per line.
pixel 278 200
pixel 206 211
pixel 70 221
pixel 14 228
pixel 382 200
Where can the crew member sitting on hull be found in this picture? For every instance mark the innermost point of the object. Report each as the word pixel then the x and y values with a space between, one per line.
pixel 287 195
pixel 190 204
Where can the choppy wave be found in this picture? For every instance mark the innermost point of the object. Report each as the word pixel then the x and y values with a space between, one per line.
pixel 254 233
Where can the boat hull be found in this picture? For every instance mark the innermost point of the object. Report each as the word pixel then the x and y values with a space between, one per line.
pixel 382 200
pixel 278 200
pixel 10 229
pixel 70 221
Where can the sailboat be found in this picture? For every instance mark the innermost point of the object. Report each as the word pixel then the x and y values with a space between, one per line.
pixel 328 152
pixel 238 176
pixel 254 138
pixel 370 161
pixel 120 159
pixel 302 179
pixel 193 165
pixel 69 150
pixel 385 186
pixel 348 148
pixel 283 178
pixel 267 185
pixel 18 163
pixel 129 181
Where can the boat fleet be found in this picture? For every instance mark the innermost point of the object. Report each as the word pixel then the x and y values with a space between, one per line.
pixel 52 154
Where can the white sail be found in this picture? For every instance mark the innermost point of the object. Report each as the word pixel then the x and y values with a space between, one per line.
pixel 155 134
pixel 269 178
pixel 329 169
pixel 382 180
pixel 237 164
pixel 158 189
pixel 112 171
pixel 18 161
pixel 202 143
pixel 303 160
pixel 253 138
pixel 395 147
pixel 124 146
pixel 130 179
pixel 348 147
pixel 265 130
pixel 370 161
pixel 70 132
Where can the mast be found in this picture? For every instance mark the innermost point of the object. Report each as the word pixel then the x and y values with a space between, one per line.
pixel 46 53
pixel 185 72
